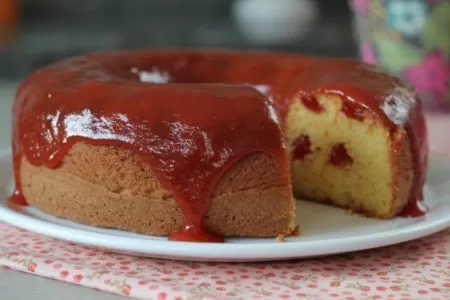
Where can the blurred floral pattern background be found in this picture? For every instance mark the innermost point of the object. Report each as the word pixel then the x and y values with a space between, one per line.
pixel 411 39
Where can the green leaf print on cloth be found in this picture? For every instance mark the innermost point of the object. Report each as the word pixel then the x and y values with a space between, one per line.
pixel 396 55
pixel 436 33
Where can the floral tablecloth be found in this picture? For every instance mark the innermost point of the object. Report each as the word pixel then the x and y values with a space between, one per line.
pixel 414 270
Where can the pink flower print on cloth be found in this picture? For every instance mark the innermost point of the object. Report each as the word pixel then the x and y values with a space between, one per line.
pixel 430 76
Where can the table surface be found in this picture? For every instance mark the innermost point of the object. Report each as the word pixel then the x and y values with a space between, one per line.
pixel 17 285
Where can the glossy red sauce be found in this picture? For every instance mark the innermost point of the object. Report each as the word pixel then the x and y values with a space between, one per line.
pixel 202 116
pixel 301 147
pixel 414 209
pixel 353 110
pixel 311 103
pixel 190 134
pixel 194 233
pixel 416 130
pixel 17 197
pixel 339 156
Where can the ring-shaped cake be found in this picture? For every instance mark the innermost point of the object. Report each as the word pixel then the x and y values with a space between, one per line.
pixel 203 144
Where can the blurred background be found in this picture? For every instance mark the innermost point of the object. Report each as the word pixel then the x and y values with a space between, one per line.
pixel 34 33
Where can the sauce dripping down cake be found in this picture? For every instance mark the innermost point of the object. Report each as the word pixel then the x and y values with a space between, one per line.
pixel 202 145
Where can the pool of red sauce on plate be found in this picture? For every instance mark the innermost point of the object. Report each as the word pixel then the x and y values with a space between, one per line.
pixel 99 100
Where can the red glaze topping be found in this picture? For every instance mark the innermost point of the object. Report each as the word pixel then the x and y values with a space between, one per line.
pixel 414 209
pixel 353 110
pixel 17 197
pixel 193 233
pixel 339 156
pixel 311 103
pixel 191 133
pixel 302 147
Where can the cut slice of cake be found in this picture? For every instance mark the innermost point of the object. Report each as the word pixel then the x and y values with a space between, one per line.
pixel 355 164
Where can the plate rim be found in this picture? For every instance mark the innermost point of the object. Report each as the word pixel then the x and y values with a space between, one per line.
pixel 219 252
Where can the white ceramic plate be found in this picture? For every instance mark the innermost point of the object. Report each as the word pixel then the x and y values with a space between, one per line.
pixel 326 230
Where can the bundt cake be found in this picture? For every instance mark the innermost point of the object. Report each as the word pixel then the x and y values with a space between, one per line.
pixel 199 145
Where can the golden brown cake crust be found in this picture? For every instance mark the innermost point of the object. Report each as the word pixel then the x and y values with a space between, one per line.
pixel 113 187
